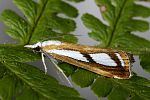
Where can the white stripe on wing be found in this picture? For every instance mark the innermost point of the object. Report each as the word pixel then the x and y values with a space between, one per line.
pixel 103 58
pixel 121 60
pixel 72 54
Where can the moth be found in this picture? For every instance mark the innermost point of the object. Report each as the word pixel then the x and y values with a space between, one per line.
pixel 107 62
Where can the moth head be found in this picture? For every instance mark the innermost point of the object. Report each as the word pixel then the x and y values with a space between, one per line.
pixel 36 47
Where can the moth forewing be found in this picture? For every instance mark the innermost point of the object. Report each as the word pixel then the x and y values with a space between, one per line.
pixel 106 62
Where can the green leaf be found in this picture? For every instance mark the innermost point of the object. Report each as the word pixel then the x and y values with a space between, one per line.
pixel 41 84
pixel 2 71
pixel 118 93
pixel 28 8
pixel 142 11
pixel 145 62
pixel 138 25
pixel 137 43
pixel 45 18
pixel 119 15
pixel 17 53
pixel 135 97
pixel 102 87
pixel 96 26
pixel 10 89
pixel 122 89
pixel 18 27
pixel 83 78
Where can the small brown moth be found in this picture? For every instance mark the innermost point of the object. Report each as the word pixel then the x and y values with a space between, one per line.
pixel 106 62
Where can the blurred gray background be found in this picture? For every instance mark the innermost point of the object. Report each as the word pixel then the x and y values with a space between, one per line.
pixel 88 6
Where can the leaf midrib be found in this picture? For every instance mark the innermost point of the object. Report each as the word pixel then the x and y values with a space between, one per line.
pixel 116 24
pixel 36 22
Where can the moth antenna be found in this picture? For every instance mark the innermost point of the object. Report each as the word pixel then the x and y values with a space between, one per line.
pixel 79 35
pixel 43 60
pixel 57 37
pixel 59 69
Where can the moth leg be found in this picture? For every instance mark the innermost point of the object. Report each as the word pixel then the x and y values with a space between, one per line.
pixel 43 60
pixel 61 71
